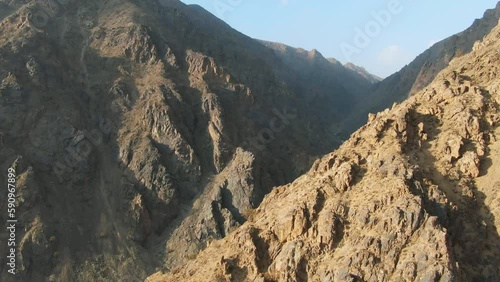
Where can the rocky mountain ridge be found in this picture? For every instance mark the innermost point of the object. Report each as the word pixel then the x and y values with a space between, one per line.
pixel 142 131
pixel 412 196
pixel 423 69
pixel 312 65
pixel 363 72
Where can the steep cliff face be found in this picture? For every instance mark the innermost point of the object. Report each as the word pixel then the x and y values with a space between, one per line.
pixel 141 130
pixel 420 72
pixel 411 196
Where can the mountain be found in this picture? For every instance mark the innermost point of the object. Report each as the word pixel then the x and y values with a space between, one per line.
pixel 363 72
pixel 311 65
pixel 420 72
pixel 139 131
pixel 411 196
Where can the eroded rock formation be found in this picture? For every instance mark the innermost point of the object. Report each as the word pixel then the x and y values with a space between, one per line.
pixel 411 196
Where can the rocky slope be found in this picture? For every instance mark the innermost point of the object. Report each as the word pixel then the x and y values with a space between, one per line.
pixel 361 71
pixel 421 71
pixel 312 66
pixel 412 196
pixel 142 130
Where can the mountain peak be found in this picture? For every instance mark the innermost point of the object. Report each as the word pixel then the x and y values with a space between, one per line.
pixel 363 72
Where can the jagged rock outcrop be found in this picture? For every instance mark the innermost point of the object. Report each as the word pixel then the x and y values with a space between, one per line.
pixel 411 196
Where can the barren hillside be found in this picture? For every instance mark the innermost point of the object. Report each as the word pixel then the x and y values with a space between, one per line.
pixel 141 130
pixel 412 196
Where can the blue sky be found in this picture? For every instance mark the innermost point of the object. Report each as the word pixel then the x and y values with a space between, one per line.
pixel 404 29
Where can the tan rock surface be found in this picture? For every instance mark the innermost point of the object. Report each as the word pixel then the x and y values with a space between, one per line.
pixel 411 196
